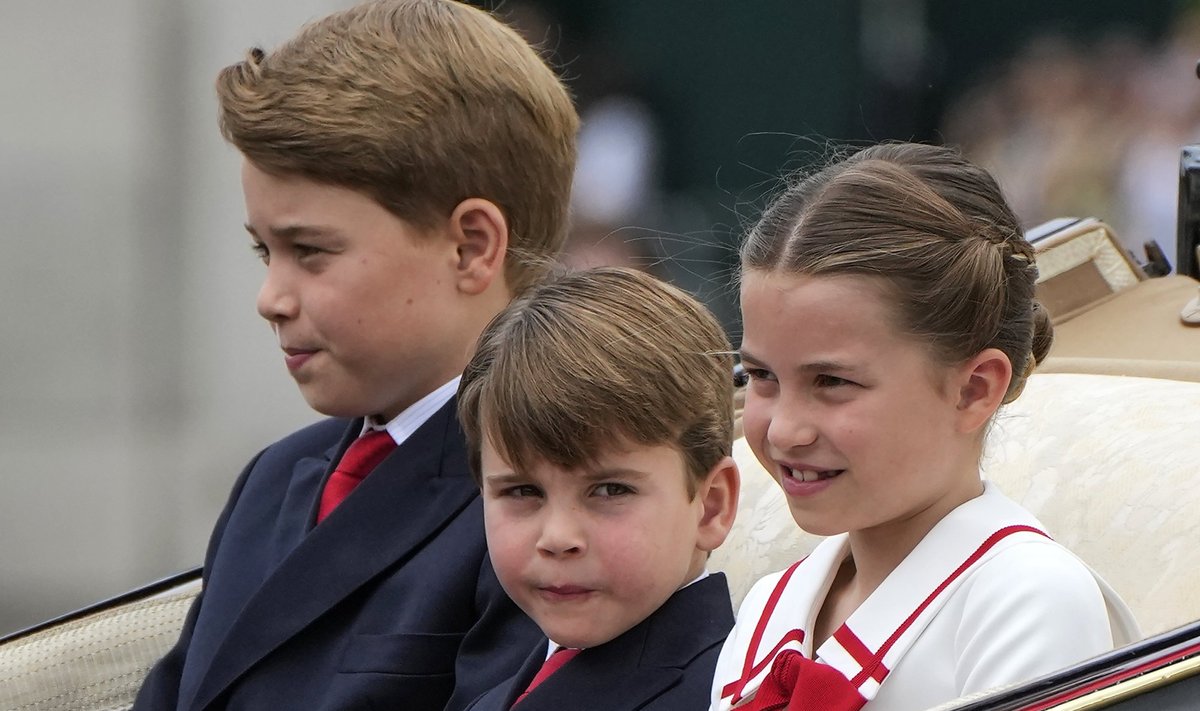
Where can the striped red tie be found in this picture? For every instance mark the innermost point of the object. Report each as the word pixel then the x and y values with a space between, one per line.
pixel 560 657
pixel 360 458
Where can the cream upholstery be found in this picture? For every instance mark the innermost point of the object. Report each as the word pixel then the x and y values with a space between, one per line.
pixel 96 662
pixel 1110 464
pixel 1188 370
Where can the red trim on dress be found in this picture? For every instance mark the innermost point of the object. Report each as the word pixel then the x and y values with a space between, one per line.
pixel 859 652
pixel 872 664
pixel 749 670
pixel 869 671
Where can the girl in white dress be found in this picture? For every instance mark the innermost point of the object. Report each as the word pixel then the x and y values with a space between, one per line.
pixel 888 311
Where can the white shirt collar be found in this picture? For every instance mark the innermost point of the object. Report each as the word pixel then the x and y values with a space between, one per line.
pixel 403 425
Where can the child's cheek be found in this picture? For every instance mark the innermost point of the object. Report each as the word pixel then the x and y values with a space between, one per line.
pixel 506 548
pixel 632 565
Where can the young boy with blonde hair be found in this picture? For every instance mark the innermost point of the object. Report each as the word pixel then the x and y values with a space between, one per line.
pixel 599 411
pixel 407 170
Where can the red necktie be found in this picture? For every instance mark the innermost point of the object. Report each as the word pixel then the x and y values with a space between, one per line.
pixel 360 458
pixel 796 683
pixel 560 657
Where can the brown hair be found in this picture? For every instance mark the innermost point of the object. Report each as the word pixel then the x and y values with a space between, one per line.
pixel 419 104
pixel 936 229
pixel 593 357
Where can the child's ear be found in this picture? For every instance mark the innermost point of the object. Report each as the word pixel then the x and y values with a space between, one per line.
pixel 480 233
pixel 982 384
pixel 718 495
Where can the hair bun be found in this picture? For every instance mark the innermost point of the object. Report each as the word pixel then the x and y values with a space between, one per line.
pixel 1043 332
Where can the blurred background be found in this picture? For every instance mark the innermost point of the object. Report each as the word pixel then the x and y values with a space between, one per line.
pixel 135 377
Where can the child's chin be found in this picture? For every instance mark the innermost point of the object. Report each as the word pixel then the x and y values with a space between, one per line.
pixel 816 527
pixel 334 404
pixel 577 637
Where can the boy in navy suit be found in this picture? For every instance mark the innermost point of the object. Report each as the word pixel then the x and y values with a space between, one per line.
pixel 407 170
pixel 598 410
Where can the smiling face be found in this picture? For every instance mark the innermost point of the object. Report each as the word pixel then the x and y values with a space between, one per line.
pixel 861 428
pixel 363 303
pixel 589 553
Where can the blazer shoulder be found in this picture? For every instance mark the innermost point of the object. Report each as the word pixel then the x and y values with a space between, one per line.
pixel 693 621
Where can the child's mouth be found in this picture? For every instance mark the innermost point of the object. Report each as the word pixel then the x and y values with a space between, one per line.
pixel 810 475
pixel 561 593
pixel 566 589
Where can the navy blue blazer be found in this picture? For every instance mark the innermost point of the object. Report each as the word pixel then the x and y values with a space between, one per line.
pixel 664 663
pixel 390 603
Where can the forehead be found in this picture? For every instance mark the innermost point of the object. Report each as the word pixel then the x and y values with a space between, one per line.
pixel 843 317
pixel 275 200
pixel 618 457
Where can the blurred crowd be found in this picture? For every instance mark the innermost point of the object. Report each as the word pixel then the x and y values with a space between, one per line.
pixel 1082 126
pixel 617 185
pixel 1090 128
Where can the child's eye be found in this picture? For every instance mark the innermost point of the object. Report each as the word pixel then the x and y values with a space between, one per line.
pixel 306 250
pixel 831 381
pixel 261 251
pixel 759 374
pixel 611 489
pixel 522 491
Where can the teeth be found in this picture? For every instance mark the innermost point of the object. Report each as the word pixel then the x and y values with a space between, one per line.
pixel 808 475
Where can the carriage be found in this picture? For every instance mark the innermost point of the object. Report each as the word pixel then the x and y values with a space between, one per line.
pixel 1102 447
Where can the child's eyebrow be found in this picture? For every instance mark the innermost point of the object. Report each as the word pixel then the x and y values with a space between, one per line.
pixel 503 478
pixel 818 366
pixel 827 366
pixel 746 356
pixel 602 473
pixel 291 232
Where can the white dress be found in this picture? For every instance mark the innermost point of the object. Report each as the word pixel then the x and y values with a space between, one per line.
pixel 984 600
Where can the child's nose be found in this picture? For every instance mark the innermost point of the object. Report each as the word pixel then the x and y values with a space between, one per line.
pixel 562 532
pixel 792 425
pixel 275 301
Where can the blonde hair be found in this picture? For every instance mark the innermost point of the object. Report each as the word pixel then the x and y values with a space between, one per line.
pixel 419 104
pixel 595 357
pixel 936 230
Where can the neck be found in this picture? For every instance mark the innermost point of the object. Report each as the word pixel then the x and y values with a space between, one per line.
pixel 877 551
pixel 473 317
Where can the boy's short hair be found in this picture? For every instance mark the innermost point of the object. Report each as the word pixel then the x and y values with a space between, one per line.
pixel 419 104
pixel 592 358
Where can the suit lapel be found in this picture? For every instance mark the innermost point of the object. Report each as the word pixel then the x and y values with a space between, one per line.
pixel 502 697
pixel 410 496
pixel 303 496
pixel 599 674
